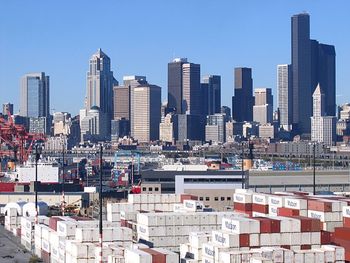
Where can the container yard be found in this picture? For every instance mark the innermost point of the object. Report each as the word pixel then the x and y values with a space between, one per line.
pixel 280 227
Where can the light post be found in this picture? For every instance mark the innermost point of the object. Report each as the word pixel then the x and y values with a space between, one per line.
pixel 314 167
pixel 63 198
pixel 242 166
pixel 37 158
pixel 100 198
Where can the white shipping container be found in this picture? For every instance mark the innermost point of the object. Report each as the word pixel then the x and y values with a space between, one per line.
pixel 261 199
pixel 346 211
pixel 244 198
pixel 295 203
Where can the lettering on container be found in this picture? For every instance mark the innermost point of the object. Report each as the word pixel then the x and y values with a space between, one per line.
pixel 189 205
pixel 220 239
pixel 239 198
pixel 273 210
pixel 275 201
pixel 61 228
pixel 314 215
pixel 258 199
pixel 292 204
pixel 229 225
pixel 209 252
pixel 142 230
pixel 347 211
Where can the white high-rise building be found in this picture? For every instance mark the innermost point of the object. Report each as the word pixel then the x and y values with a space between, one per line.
pixel 263 107
pixel 93 125
pixel 215 130
pixel 166 129
pixel 284 87
pixel 323 128
pixel 145 104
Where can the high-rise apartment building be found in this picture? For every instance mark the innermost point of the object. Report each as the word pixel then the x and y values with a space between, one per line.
pixel 35 95
pixel 145 107
pixel 100 82
pixel 211 94
pixel 243 100
pixel 285 102
pixel 184 91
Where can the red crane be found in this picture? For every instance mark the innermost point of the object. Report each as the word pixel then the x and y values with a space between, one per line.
pixel 15 141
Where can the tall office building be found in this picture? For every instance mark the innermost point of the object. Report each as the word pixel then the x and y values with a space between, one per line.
pixel 263 108
pixel 323 72
pixel 100 83
pixel 312 63
pixel 184 91
pixel 301 72
pixel 7 108
pixel 284 88
pixel 211 94
pixel 145 107
pixel 243 100
pixel 323 128
pixel 35 95
pixel 122 96
pixel 215 130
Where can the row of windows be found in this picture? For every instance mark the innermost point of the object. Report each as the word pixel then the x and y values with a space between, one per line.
pixel 150 189
pixel 222 198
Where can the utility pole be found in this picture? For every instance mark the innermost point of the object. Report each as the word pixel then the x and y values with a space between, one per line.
pixel 100 198
pixel 314 152
pixel 37 157
pixel 63 198
pixel 242 166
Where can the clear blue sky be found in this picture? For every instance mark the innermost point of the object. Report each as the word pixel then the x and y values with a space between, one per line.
pixel 141 37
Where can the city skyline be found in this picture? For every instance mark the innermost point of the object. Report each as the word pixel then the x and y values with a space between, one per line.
pixel 231 47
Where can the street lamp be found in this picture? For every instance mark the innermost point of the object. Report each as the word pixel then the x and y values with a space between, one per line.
pixel 314 166
pixel 100 198
pixel 242 166
pixel 37 158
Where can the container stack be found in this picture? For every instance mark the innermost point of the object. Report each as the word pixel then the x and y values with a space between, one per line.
pixel 260 206
pixel 243 201
pixel 341 235
pixel 193 249
pixel 150 255
pixel 169 230
pixel 28 230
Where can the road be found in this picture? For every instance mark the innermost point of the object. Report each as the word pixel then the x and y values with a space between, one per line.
pixel 11 251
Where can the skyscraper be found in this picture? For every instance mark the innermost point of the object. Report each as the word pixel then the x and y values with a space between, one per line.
pixel 243 100
pixel 184 91
pixel 100 83
pixel 263 107
pixel 323 72
pixel 145 112
pixel 285 102
pixel 211 94
pixel 35 95
pixel 301 72
pixel 7 108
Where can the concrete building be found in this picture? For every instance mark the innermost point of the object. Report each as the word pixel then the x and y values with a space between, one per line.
pixel 250 129
pixel 285 96
pixel 189 127
pixel 215 130
pixel 99 88
pixel 120 128
pixel 243 100
pixel 323 128
pixel 39 125
pixel 145 112
pixel 56 143
pixel 267 131
pixel 227 111
pixel 7 108
pixel 61 123
pixel 94 125
pixel 263 108
pixel 166 129
pixel 184 91
pixel 35 95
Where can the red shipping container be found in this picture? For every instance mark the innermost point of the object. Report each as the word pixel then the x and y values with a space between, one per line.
pixel 81 218
pixel 268 225
pixel 283 211
pixel 188 197
pixel 285 246
pixel 325 237
pixel 309 224
pixel 242 207
pixel 343 243
pixel 342 233
pixel 304 247
pixel 347 255
pixel 319 205
pixel 346 222
pixel 244 240
pixel 260 208
pixel 300 193
pixel 53 222
pixel 7 187
pixel 157 257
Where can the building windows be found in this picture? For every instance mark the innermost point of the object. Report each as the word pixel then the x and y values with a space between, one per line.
pixel 144 189
pixel 222 198
pixel 216 198
pixel 207 199
pixel 150 189
pixel 201 198
pixel 156 189
pixel 229 198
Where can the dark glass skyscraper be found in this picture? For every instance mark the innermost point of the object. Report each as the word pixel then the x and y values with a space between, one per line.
pixel 301 73
pixel 243 100
pixel 184 92
pixel 211 94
